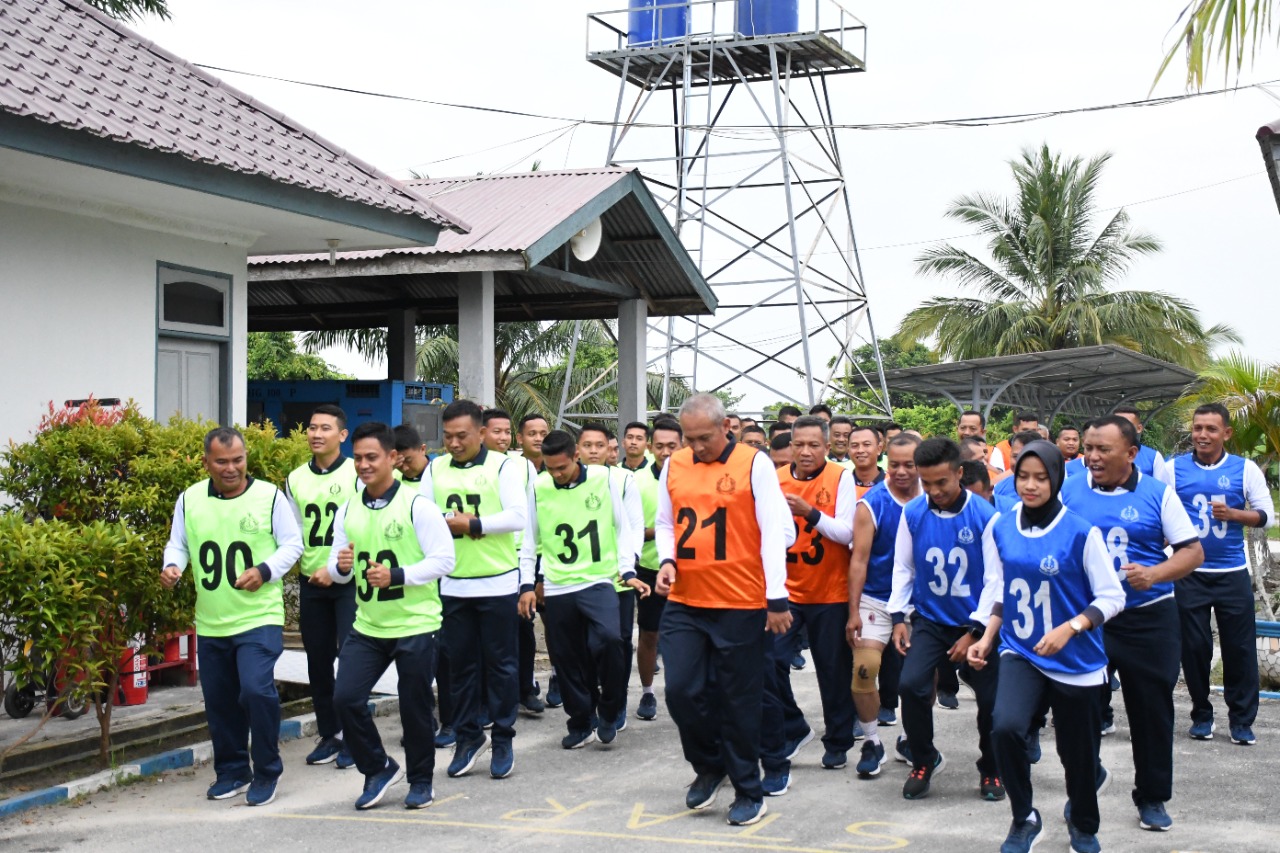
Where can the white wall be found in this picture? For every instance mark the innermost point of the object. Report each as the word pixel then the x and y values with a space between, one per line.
pixel 78 311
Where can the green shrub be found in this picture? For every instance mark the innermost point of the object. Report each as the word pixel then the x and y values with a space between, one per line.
pixel 81 546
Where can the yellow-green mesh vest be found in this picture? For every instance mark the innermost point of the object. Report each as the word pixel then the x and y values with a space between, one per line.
pixel 387 536
pixel 648 485
pixel 576 529
pixel 319 496
pixel 474 489
pixel 224 538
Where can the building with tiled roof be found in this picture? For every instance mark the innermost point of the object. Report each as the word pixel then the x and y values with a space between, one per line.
pixel 133 186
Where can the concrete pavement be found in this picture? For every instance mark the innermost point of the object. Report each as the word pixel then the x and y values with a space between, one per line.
pixel 630 796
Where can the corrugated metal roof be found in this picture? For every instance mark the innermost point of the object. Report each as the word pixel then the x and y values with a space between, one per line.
pixel 506 213
pixel 64 63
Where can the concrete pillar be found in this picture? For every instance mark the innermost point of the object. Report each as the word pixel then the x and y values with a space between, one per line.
pixel 402 345
pixel 633 317
pixel 475 337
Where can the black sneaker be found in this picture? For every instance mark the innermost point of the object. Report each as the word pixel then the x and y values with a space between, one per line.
pixel 648 708
pixel 949 701
pixel 553 693
pixel 917 784
pixel 532 704
pixel 702 793
pixel 991 788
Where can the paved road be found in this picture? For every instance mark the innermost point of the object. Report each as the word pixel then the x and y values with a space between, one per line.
pixel 630 797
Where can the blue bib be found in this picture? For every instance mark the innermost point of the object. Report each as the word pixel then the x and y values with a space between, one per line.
pixel 1145 461
pixel 1045 585
pixel 886 511
pixel 948 558
pixel 1131 526
pixel 1006 494
pixel 1198 487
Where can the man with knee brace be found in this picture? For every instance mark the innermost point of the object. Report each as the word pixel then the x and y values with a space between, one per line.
pixel 875 531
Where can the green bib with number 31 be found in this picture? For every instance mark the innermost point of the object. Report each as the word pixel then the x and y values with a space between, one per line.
pixel 575 529
pixel 226 537
pixel 387 536
pixel 318 497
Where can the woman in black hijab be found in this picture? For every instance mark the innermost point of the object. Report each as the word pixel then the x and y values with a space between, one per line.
pixel 1055 586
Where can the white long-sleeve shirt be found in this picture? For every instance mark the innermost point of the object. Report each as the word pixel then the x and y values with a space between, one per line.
pixel 623 539
pixel 633 506
pixel 433 535
pixel 839 528
pixel 284 527
pixel 777 529
pixel 512 519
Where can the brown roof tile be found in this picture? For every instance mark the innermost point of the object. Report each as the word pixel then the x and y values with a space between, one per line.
pixel 66 64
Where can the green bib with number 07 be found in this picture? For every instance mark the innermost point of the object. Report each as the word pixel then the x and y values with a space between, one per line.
pixel 474 489
pixel 387 536
pixel 576 530
pixel 225 538
pixel 318 497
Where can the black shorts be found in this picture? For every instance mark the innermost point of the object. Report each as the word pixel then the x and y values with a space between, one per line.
pixel 649 610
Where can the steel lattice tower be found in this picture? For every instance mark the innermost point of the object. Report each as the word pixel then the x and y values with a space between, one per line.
pixel 735 102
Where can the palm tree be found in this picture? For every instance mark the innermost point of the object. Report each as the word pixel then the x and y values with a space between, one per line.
pixel 1047 285
pixel 530 363
pixel 132 10
pixel 1224 27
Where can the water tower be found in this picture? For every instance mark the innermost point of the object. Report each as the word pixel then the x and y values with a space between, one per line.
pixel 726 107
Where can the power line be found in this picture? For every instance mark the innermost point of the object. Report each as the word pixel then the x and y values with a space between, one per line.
pixel 975 121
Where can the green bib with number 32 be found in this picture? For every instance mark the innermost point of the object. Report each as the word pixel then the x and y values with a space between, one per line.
pixel 474 489
pixel 225 538
pixel 575 529
pixel 318 497
pixel 387 536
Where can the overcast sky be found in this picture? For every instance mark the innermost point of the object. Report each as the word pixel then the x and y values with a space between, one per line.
pixel 1190 173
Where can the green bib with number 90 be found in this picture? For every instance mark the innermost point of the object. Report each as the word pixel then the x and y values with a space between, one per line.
pixel 387 536
pixel 575 529
pixel 225 538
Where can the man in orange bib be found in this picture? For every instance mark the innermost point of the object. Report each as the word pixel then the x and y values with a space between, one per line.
pixel 723 528
pixel 821 496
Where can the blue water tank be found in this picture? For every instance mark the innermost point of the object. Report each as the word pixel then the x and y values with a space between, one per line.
pixel 768 17
pixel 648 25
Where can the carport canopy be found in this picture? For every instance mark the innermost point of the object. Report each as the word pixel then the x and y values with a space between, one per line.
pixel 515 263
pixel 1081 383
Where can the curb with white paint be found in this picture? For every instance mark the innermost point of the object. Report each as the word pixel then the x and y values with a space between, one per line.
pixel 188 756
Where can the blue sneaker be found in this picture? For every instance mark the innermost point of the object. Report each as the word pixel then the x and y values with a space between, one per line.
pixel 1034 753
pixel 648 708
pixel 745 812
pixel 887 717
pixel 225 789
pixel 1023 836
pixel 445 738
pixel 607 731
pixel 948 701
pixel 793 747
pixel 1103 778
pixel 345 760
pixel 1081 841
pixel 873 758
pixel 419 796
pixel 376 786
pixel 1152 816
pixel 798 662
pixel 465 755
pixel 1201 731
pixel 621 723
pixel 775 783
pixel 902 750
pixel 702 793
pixel 532 704
pixel 327 749
pixel 834 759
pixel 858 733
pixel 577 740
pixel 261 792
pixel 553 693
pixel 502 760
pixel 1243 735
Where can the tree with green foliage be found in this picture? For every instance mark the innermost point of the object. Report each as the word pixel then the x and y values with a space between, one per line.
pixel 1222 27
pixel 132 10
pixel 275 355
pixel 1048 283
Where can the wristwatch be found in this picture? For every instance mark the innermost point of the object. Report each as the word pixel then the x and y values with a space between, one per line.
pixel 1076 625
pixel 977 631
